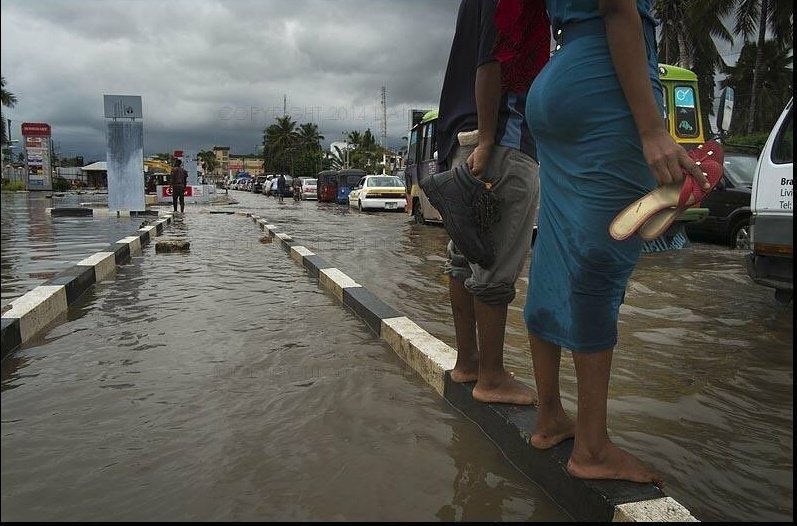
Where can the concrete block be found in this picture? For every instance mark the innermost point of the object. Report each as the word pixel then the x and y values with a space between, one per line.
pixel 427 355
pixel 10 338
pixel 299 252
pixel 172 245
pixel 369 307
pixel 36 309
pixel 103 263
pixel 665 509
pixel 335 281
pixel 76 280
pixel 134 242
pixel 314 264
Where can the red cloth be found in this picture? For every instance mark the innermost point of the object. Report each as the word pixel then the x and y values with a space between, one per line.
pixel 523 42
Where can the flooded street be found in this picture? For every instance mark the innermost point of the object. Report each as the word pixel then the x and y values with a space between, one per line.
pixel 36 246
pixel 224 385
pixel 702 378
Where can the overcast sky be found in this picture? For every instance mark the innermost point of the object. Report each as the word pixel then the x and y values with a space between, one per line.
pixel 214 72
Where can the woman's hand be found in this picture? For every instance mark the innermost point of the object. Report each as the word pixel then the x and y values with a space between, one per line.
pixel 668 160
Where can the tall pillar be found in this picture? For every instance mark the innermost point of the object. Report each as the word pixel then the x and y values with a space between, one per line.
pixel 125 153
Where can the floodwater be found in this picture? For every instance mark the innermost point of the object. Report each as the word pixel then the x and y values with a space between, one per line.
pixel 36 246
pixel 702 377
pixel 224 385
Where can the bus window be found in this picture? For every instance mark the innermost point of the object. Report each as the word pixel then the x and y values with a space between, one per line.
pixel 427 142
pixel 433 126
pixel 411 148
pixel 685 118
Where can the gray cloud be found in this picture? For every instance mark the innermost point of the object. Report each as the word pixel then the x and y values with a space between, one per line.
pixel 215 72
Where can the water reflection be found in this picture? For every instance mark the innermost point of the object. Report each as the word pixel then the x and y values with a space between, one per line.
pixel 702 380
pixel 36 246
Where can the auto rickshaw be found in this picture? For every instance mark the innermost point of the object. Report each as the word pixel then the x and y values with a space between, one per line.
pixel 327 186
pixel 347 181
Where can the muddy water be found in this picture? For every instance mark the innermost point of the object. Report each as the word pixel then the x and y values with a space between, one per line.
pixel 225 385
pixel 36 246
pixel 702 381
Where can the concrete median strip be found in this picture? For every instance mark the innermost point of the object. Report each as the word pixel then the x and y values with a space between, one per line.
pixel 508 426
pixel 39 308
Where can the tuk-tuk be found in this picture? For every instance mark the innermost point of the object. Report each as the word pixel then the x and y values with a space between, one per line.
pixel 327 186
pixel 347 181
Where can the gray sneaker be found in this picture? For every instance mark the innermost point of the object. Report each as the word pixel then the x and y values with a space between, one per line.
pixel 468 208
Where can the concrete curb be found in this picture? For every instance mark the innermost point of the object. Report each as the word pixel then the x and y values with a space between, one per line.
pixel 508 426
pixel 40 307
pixel 97 212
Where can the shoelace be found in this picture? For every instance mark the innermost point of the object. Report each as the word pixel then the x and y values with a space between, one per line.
pixel 486 209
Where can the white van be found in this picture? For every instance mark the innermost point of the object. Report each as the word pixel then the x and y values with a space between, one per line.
pixel 771 261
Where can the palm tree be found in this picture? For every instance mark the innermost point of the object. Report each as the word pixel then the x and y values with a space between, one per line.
pixel 354 138
pixel 760 15
pixel 687 39
pixel 775 79
pixel 278 141
pixel 8 101
pixel 309 136
pixel 208 161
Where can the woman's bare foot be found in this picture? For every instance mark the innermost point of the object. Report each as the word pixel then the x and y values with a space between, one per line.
pixel 507 391
pixel 612 463
pixel 463 375
pixel 548 434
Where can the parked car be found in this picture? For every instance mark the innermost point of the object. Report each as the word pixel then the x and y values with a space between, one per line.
pixel 309 188
pixel 728 219
pixel 379 192
pixel 257 185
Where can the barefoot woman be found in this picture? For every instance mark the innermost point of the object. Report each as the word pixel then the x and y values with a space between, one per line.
pixel 596 112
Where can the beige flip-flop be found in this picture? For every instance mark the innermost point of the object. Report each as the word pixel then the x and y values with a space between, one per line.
pixel 638 213
pixel 659 223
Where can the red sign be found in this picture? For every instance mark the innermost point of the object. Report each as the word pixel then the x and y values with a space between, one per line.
pixel 167 191
pixel 40 129
pixel 178 153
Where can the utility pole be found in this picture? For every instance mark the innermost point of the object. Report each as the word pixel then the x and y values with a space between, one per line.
pixel 284 105
pixel 384 128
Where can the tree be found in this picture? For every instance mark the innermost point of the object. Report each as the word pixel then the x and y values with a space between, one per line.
pixel 8 100
pixel 278 139
pixel 208 161
pixel 760 15
pixel 775 80
pixel 687 39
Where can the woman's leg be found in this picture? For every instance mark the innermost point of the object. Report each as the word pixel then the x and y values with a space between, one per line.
pixel 553 424
pixel 594 456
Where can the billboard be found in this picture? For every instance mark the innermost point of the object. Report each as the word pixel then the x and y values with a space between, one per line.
pixel 37 155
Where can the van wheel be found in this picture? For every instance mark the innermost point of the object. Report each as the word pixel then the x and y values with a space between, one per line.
pixel 740 235
pixel 417 214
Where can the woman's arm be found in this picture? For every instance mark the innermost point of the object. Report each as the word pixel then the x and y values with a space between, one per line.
pixel 666 158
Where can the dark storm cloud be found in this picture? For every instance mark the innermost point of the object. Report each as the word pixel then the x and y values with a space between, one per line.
pixel 215 72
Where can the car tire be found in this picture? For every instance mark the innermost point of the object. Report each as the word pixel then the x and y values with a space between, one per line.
pixel 359 205
pixel 417 214
pixel 740 235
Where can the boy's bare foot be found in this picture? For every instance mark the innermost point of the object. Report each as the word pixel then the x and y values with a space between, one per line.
pixel 507 391
pixel 612 463
pixel 461 375
pixel 548 434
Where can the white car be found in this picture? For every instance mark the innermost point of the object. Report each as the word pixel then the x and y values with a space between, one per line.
pixel 309 188
pixel 379 192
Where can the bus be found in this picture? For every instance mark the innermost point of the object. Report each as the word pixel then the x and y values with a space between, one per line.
pixel 421 162
pixel 682 119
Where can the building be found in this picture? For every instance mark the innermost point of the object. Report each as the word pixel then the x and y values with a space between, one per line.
pixel 96 174
pixel 222 169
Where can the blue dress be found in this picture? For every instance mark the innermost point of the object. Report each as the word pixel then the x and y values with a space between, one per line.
pixel 591 168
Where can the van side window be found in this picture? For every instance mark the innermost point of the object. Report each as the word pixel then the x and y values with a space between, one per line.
pixel 411 147
pixel 685 119
pixel 666 108
pixel 783 149
pixel 427 142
